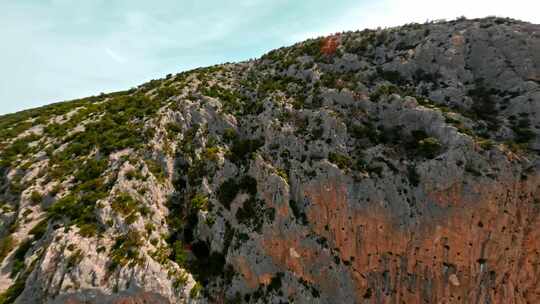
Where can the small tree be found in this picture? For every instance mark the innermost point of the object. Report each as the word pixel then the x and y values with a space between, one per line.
pixel 36 197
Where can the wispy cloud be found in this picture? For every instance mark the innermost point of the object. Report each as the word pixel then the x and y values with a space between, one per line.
pixel 115 56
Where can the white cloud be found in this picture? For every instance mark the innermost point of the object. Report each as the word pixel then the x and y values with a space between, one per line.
pixel 115 56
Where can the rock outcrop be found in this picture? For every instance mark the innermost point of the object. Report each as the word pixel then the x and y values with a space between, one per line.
pixel 389 166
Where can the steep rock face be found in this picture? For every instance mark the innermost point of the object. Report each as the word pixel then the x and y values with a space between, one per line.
pixel 389 166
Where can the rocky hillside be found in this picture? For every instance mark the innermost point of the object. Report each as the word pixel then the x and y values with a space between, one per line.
pixel 380 166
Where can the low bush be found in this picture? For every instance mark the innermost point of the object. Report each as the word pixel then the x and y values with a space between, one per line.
pixel 429 147
pixel 36 197
pixel 522 131
pixel 422 145
pixel 20 147
pixel 299 215
pixel 242 150
pixel 91 169
pixel 228 190
pixel 124 204
pixel 199 202
pixel 179 254
pixel 6 245
pixel 18 257
pixel 39 230
pixel 125 250
pixel 412 174
pixel 342 161
pixel 156 169
pixel 195 290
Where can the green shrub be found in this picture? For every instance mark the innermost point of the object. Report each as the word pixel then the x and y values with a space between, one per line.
pixel 283 174
pixel 125 250
pixel 91 169
pixel 134 175
pixel 312 47
pixel 196 172
pixel 195 291
pixel 6 245
pixel 230 100
pixel 391 76
pixel 342 161
pixel 299 215
pixel 229 135
pixel 78 210
pixel 412 174
pixel 275 283
pixel 179 254
pixel 18 257
pixel 242 150
pixel 429 147
pixel 227 191
pixel 56 130
pixel 199 202
pixel 166 92
pixel 486 144
pixel 12 293
pixel 421 75
pixel 39 229
pixel 36 197
pixel 20 147
pixel 208 264
pixel 369 131
pixel 522 131
pixel 420 144
pixel 248 184
pixel 173 128
pixel 384 91
pixel 211 154
pixel 74 259
pixel 247 214
pixel 110 134
pixel 66 206
pixel 124 204
pixel 253 213
pixel 156 169
pixel 484 106
pixel 88 229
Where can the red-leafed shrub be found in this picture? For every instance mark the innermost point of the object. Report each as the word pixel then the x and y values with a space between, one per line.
pixel 330 45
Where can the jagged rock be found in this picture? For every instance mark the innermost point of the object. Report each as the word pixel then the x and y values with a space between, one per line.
pixel 389 166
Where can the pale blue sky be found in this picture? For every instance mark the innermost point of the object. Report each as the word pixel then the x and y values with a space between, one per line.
pixel 54 50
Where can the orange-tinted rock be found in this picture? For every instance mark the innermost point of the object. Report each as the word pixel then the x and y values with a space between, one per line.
pixel 483 249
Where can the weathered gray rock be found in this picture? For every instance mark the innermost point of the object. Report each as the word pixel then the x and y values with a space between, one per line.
pixel 396 165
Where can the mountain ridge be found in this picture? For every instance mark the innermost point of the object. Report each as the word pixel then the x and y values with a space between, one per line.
pixel 390 165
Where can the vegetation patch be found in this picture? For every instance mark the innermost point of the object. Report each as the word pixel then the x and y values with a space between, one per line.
pixel 242 150
pixel 342 161
pixel 228 190
pixel 253 214
pixel 7 244
pixel 298 213
pixel 124 204
pixel 156 169
pixel 18 257
pixel 125 251
pixel 420 144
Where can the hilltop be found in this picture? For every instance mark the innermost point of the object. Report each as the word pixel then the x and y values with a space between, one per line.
pixel 396 165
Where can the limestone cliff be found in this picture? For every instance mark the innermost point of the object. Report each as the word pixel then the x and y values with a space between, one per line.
pixel 380 166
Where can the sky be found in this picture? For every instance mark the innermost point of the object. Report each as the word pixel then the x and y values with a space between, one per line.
pixel 55 50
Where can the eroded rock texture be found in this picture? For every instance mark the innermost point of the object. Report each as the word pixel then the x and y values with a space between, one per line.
pixel 389 166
